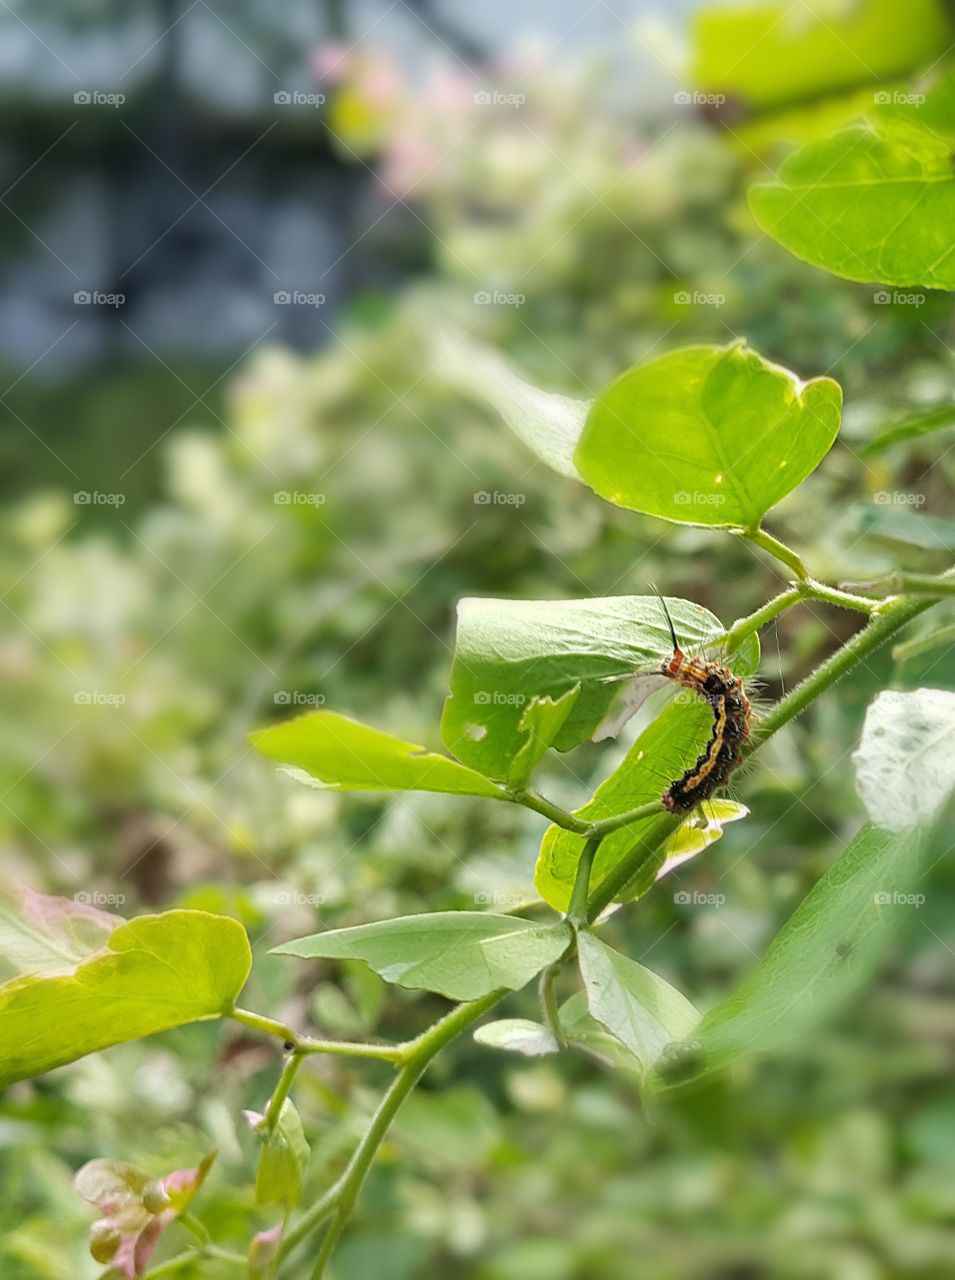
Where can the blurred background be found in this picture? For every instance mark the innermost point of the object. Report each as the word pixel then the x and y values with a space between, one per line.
pixel 239 481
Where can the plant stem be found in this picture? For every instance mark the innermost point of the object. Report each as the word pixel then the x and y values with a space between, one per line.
pixel 307 1044
pixel 760 538
pixel 924 644
pixel 416 1056
pixel 277 1100
pixel 577 911
pixel 597 830
pixel 547 809
pixel 913 583
pixel 813 590
pixel 744 627
pixel 548 1000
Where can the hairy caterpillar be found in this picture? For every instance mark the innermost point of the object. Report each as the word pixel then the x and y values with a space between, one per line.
pixel 723 691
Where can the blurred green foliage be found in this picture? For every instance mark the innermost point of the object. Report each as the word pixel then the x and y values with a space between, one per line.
pixel 220 605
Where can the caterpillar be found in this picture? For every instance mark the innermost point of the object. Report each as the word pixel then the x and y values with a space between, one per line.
pixel 723 691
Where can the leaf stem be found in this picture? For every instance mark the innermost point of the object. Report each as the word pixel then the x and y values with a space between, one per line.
pixel 416 1056
pixel 912 583
pixel 277 1100
pixel 547 809
pixel 577 911
pixel 760 538
pixel 303 1045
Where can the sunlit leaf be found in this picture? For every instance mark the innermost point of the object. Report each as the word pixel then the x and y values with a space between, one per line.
pixel 875 201
pixel 348 756
pixel 765 55
pixel 707 435
pixel 153 973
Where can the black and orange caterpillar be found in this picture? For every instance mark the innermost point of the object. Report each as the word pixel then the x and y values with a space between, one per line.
pixel 723 691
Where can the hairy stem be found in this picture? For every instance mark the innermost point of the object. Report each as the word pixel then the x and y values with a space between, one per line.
pixel 303 1045
pixel 577 911
pixel 416 1056
pixel 760 538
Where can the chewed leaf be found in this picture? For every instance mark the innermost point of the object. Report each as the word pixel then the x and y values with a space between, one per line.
pixel 905 762
pixel 700 832
pixel 509 652
pixel 707 435
pixel 541 722
pixel 459 954
pixel 348 756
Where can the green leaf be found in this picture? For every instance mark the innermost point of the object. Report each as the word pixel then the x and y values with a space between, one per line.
pixel 769 55
pixel 541 722
pixel 905 762
pixel 634 1004
pixel 41 934
pixel 911 427
pixel 345 755
pixel 668 746
pixel 153 973
pixel 584 1032
pixel 282 1160
pixel 517 1035
pixel 549 424
pixel 875 201
pixel 899 524
pixel 459 954
pixel 508 652
pixel 829 947
pixel 707 435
